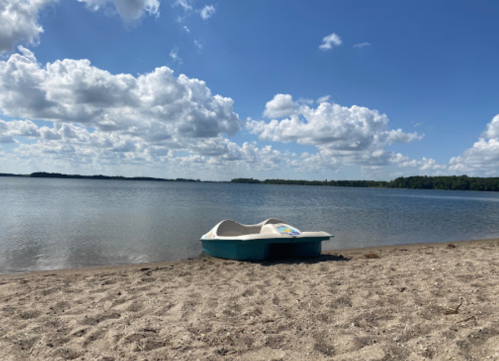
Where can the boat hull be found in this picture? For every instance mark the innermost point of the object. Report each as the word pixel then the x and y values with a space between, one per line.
pixel 261 249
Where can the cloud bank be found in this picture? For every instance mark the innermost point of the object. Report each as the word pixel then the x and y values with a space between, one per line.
pixel 101 119
pixel 77 92
pixel 109 120
pixel 342 135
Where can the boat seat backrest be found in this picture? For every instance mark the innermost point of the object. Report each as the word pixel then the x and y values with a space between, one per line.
pixel 233 229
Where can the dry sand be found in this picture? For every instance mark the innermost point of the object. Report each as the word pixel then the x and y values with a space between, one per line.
pixel 400 306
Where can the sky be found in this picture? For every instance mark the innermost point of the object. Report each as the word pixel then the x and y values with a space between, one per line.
pixel 220 89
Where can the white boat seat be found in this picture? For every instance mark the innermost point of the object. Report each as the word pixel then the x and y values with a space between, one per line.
pixel 230 228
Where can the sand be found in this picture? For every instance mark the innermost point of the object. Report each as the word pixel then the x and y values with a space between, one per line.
pixel 341 306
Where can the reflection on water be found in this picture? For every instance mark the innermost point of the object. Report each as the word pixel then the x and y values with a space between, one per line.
pixel 65 223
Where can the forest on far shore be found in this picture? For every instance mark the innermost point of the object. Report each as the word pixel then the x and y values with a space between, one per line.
pixel 458 183
pixel 462 183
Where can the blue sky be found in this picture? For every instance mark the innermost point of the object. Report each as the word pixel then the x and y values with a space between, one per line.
pixel 268 89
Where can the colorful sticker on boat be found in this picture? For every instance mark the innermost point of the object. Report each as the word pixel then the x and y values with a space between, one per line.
pixel 209 236
pixel 288 231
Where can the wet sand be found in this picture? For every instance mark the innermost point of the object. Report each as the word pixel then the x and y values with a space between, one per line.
pixel 415 302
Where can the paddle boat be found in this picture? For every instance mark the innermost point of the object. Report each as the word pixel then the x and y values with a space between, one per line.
pixel 270 239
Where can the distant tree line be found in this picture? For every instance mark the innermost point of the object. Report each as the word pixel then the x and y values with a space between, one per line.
pixel 463 183
pixel 98 176
pixel 343 183
pixel 11 175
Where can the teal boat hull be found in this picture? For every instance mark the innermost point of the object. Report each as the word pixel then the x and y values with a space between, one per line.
pixel 262 249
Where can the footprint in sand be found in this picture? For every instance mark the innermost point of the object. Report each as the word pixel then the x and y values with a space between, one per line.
pixel 59 307
pixel 66 354
pixel 92 321
pixel 135 307
pixel 29 315
pixel 93 337
pixel 80 333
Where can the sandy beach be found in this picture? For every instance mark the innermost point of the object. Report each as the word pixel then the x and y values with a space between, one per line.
pixel 417 302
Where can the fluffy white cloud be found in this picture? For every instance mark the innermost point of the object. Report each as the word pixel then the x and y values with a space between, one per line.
pixel 69 139
pixel 329 41
pixel 23 128
pixel 482 159
pixel 483 156
pixel 150 104
pixel 127 9
pixel 356 135
pixel 207 12
pixel 329 125
pixel 492 131
pixel 280 106
pixel 427 166
pixel 19 22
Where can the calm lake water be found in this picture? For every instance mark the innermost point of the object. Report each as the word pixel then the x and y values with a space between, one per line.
pixel 67 223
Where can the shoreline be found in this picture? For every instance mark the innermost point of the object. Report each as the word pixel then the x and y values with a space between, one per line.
pixel 404 302
pixel 346 252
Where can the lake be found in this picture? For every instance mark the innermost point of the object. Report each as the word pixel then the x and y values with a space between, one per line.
pixel 69 223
